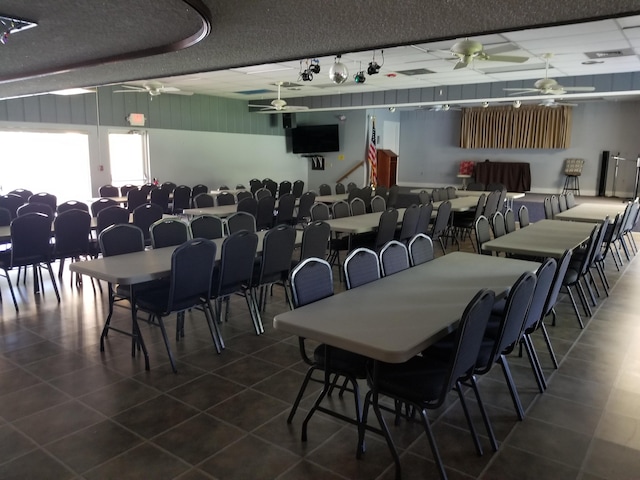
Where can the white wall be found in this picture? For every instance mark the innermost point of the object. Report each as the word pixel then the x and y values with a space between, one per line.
pixel 430 156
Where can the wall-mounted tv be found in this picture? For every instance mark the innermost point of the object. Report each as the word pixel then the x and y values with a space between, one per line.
pixel 315 139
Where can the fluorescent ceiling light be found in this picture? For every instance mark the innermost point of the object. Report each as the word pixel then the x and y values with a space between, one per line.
pixel 269 67
pixel 74 91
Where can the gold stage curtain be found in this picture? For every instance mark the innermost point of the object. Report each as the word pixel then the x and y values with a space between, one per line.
pixel 530 126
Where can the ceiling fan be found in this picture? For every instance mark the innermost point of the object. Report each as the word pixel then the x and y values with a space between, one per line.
pixel 152 88
pixel 547 86
pixel 445 107
pixel 279 104
pixel 469 51
pixel 552 103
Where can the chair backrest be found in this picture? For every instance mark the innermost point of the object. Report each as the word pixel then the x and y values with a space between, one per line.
pixel 192 265
pixel 497 223
pixel 243 194
pixel 544 281
pixel 420 249
pixel 135 198
pixel 148 187
pixel 324 189
pixel 22 193
pixel 509 220
pixel 386 227
pixel 437 195
pixel 556 284
pixel 271 186
pixel 555 206
pixel 160 197
pixel 632 217
pixel 298 188
pixel 442 220
pixel 425 218
pixel 5 217
pixel 491 205
pixel 240 186
pixel 266 207
pixel 207 226
pixel 409 223
pixel 394 258
pixel 571 200
pixel 12 202
pixel 125 189
pixel 46 198
pixel 483 234
pixel 277 253
pixel 113 215
pixel 311 280
pixel 286 206
pixel 168 232
pixel 351 186
pixel 71 231
pixel 203 200
pixel 361 266
pixel 562 202
pixel 304 207
pixel 168 186
pixel 254 185
pixel 223 187
pixel 392 198
pixel 523 216
pixel 120 239
pixel 424 197
pixel 198 189
pixel 35 208
pixel 495 186
pixel 248 205
pixel 320 211
pixel 241 221
pixel 72 205
pixel 476 187
pixel 261 193
pixel 357 207
pixel 548 212
pixel 181 198
pixel 340 189
pixel 236 263
pixel 378 204
pixel 225 198
pixel 284 188
pixel 315 239
pixel 144 216
pixel 341 209
pixel 30 239
pixel 108 191
pixel 101 204
pixel 452 192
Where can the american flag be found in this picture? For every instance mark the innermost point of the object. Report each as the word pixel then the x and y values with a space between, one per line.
pixel 372 156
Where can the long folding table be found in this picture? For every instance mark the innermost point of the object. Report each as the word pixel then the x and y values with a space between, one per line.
pixel 592 212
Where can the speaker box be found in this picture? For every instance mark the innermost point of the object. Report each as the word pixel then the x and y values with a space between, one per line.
pixel 288 120
pixel 604 167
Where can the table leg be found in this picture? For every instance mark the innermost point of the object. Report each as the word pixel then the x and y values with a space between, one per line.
pixel 136 334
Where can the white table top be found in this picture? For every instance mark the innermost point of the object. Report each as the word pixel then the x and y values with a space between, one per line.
pixel 338 197
pixel 139 267
pixel 460 204
pixel 220 211
pixel 476 193
pixel 359 223
pixel 400 315
pixel 592 212
pixel 546 238
pixel 233 191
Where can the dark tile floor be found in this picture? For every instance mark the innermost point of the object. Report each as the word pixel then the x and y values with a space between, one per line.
pixel 70 411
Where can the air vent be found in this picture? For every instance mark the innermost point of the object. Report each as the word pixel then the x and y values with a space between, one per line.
pixel 415 71
pixel 625 52
pixel 254 92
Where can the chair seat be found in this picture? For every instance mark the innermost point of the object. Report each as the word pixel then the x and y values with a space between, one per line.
pixel 341 361
pixel 419 380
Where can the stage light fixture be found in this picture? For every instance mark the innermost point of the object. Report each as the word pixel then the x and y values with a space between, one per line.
pixel 374 67
pixel 315 66
pixel 359 77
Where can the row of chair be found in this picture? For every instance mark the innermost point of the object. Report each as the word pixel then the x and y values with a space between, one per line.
pixel 558 203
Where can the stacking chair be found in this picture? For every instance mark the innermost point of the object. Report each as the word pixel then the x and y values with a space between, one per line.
pixel 144 216
pixel 192 265
pixel 483 234
pixel 382 191
pixel 420 249
pixel 71 232
pixel 361 266
pixel 207 226
pixel 72 205
pixel 340 189
pixel 441 224
pixel 555 206
pixel 424 197
pixel 12 202
pixel 46 198
pixel 241 221
pixel 351 186
pixel 386 228
pixel 271 186
pixel 240 196
pixel 30 237
pixel 312 280
pixel 198 189
pixel 324 189
pixel 409 223
pixel 108 191
pixel 465 222
pixel 286 206
pixel 113 215
pixel 266 206
pixel 425 218
pixel 357 207
pixel 36 208
pixel 240 186
pixel 225 198
pixel 298 188
pixel 234 272
pixel 248 205
pixel 22 193
pixel 262 192
pixel 340 209
pixel 452 192
pixel 476 187
pixel 147 188
pixel 169 232
pixel 168 186
pixel 203 200
pixel 315 240
pixel 101 204
pixel 491 205
pixel 304 206
pixel 509 221
pixel 284 188
pixel 424 382
pixel 571 199
pixel 181 198
pixel 562 202
pixel 160 197
pixel 438 195
pixel 523 216
pixel 548 211
pixel 135 198
pixel 392 198
pixel 320 211
pixel 378 204
pixel 254 185
pixel 125 189
pixel 498 225
pixel 5 217
pixel 223 187
pixel 394 258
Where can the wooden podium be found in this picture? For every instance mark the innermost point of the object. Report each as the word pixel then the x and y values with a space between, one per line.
pixel 387 167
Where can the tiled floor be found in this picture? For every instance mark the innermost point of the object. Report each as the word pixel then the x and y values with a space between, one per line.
pixel 69 411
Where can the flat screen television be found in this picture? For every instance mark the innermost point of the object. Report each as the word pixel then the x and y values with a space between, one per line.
pixel 315 139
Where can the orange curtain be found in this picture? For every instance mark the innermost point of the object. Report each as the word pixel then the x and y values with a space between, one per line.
pixel 530 126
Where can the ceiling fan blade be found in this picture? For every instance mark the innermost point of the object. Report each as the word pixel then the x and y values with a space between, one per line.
pixel 177 92
pixel 520 91
pixel 460 64
pixel 579 89
pixel 129 91
pixel 505 58
pixel 507 47
pixel 295 107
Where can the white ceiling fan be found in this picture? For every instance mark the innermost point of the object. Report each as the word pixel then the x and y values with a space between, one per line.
pixel 552 103
pixel 279 104
pixel 546 85
pixel 469 51
pixel 445 107
pixel 152 88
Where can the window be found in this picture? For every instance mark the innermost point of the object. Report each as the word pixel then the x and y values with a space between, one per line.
pixel 128 158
